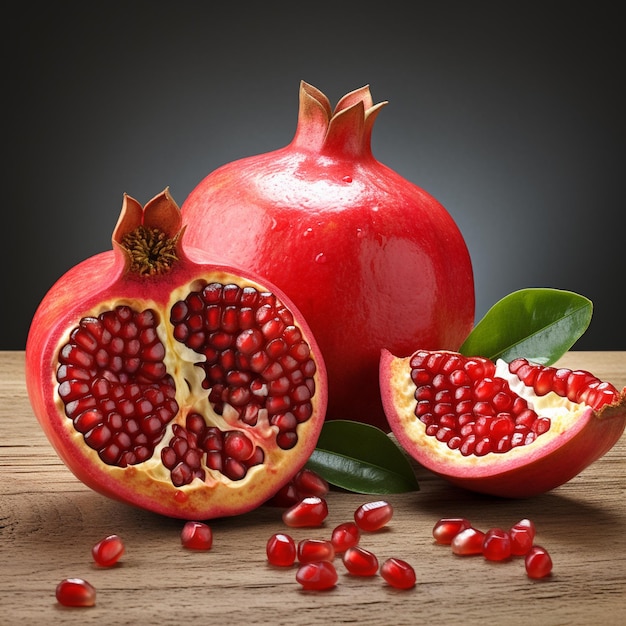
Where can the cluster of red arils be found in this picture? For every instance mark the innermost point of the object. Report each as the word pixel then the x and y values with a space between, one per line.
pixel 495 544
pixel 315 558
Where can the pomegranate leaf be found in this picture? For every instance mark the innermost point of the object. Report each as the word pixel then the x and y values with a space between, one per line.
pixel 361 458
pixel 538 324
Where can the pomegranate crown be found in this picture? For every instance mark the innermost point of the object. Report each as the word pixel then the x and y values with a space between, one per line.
pixel 149 237
pixel 346 131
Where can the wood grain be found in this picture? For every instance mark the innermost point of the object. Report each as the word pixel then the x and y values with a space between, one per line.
pixel 49 521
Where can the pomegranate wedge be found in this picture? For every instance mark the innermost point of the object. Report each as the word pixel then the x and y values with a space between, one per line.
pixel 511 430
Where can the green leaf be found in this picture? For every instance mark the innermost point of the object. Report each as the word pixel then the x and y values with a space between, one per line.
pixel 362 459
pixel 538 324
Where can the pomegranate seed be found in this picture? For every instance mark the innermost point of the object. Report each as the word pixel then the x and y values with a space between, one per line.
pixel 281 550
pixel 309 512
pixel 108 551
pixel 317 576
pixel 448 527
pixel 75 592
pixel 285 497
pixel 309 483
pixel 304 484
pixel 496 545
pixel 196 536
pixel 373 515
pixel 468 542
pixel 398 573
pixel 360 562
pixel 538 563
pixel 522 536
pixel 310 550
pixel 345 536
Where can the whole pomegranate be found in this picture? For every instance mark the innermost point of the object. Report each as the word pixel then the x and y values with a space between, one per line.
pixel 507 429
pixel 370 259
pixel 173 383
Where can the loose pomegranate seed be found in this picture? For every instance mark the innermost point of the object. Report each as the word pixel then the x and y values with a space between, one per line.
pixel 286 496
pixel 317 576
pixel 373 516
pixel 522 536
pixel 309 483
pixel 360 562
pixel 281 550
pixel 310 550
pixel 304 484
pixel 468 542
pixel 345 536
pixel 398 573
pixel 448 527
pixel 496 545
pixel 196 536
pixel 75 592
pixel 309 512
pixel 538 563
pixel 108 551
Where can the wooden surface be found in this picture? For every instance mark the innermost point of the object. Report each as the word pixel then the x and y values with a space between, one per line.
pixel 50 521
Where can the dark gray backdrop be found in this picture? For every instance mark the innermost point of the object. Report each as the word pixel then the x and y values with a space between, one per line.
pixel 511 114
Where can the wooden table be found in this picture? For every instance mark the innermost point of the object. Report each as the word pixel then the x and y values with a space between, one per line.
pixel 50 521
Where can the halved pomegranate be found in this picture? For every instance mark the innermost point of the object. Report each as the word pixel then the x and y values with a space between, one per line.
pixel 180 385
pixel 511 430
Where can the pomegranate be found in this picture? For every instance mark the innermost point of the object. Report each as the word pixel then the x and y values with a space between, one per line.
pixel 182 386
pixel 511 430
pixel 372 260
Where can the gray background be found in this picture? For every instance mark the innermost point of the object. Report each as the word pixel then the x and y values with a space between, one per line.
pixel 511 114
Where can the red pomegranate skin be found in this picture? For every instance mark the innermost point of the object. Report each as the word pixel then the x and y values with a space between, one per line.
pixel 372 260
pixel 104 281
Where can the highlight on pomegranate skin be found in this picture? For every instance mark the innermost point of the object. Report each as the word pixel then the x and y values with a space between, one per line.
pixel 171 382
pixel 507 429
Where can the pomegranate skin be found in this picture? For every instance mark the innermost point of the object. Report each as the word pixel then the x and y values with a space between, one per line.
pixel 582 435
pixel 105 281
pixel 372 260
